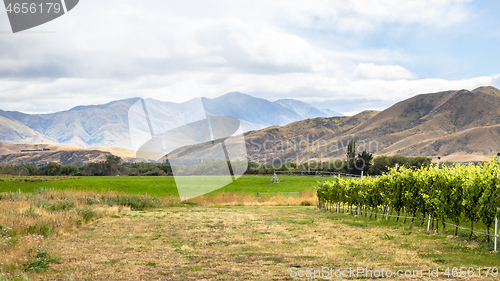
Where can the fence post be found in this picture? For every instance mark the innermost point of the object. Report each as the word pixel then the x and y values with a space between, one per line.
pixel 258 194
pixel 387 216
pixel 498 160
pixel 496 232
pixel 322 186
pixel 338 207
pixel 439 158
pixel 361 176
pixel 429 222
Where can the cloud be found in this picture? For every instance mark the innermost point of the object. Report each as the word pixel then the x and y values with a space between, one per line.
pixel 174 50
pixel 366 15
pixel 386 72
pixel 248 48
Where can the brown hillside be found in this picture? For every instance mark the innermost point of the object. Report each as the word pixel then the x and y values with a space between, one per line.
pixel 286 142
pixel 40 154
pixel 74 157
pixel 456 125
pixel 444 123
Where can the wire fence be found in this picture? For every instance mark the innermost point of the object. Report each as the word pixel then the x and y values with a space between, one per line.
pixel 387 215
pixel 322 174
pixel 318 173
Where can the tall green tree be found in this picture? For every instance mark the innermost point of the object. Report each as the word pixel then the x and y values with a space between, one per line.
pixel 351 156
pixel 364 161
pixel 111 165
pixel 360 163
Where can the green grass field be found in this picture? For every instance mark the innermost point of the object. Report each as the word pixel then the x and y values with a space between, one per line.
pixel 156 186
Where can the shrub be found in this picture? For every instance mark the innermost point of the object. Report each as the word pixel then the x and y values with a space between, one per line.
pixel 306 203
pixel 134 202
pixel 86 213
pixel 61 206
pixel 40 263
pixel 44 229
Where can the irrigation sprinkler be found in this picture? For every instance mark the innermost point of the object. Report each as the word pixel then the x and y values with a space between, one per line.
pixel 275 178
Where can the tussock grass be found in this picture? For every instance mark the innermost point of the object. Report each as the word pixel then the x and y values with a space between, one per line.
pixel 27 220
pixel 307 197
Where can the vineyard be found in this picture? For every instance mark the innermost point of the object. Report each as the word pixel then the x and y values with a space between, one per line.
pixel 452 194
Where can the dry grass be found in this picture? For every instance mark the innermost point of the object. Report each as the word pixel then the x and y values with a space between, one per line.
pixel 246 243
pixel 30 221
pixel 306 198
pixel 27 220
pixel 255 240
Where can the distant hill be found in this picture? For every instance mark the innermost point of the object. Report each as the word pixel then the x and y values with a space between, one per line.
pixel 305 110
pixel 461 124
pixel 21 154
pixel 295 142
pixel 106 125
pixel 82 126
pixel 456 125
pixel 41 154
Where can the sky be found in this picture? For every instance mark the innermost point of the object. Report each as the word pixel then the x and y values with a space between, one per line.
pixel 346 56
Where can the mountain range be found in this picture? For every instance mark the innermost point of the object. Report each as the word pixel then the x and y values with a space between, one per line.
pixel 456 125
pixel 107 125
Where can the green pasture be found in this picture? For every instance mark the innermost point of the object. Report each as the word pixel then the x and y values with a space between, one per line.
pixel 157 186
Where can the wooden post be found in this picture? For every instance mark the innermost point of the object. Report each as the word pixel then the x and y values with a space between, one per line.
pixel 258 195
pixel 429 222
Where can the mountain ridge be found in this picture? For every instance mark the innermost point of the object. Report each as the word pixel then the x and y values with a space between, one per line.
pixel 106 125
pixel 460 125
